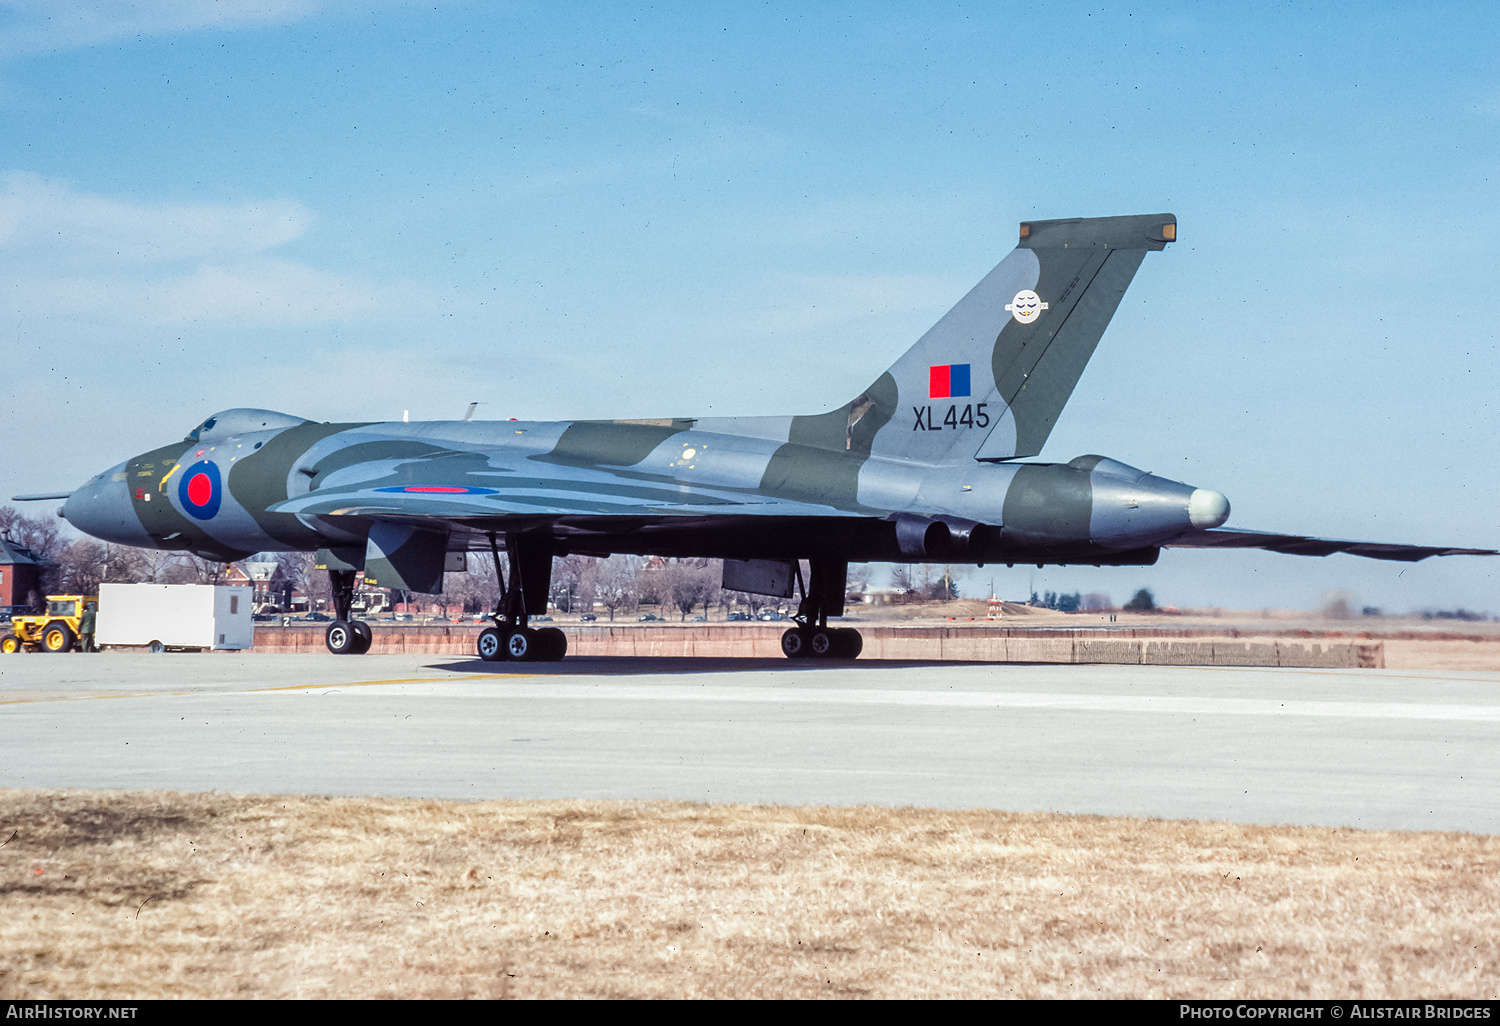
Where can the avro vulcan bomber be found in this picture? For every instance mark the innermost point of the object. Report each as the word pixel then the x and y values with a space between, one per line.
pixel 924 465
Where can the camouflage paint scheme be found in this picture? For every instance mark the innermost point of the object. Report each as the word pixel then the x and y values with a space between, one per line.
pixel 908 471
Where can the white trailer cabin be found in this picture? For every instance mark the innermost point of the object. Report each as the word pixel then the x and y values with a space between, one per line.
pixel 175 616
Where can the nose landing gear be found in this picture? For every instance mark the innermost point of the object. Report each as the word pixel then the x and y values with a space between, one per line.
pixel 345 636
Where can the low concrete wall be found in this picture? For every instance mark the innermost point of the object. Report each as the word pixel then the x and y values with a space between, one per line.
pixel 1465 654
pixel 953 644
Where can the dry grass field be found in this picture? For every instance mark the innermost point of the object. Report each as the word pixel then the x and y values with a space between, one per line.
pixel 158 894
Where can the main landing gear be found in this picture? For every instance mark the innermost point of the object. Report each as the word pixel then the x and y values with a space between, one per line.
pixel 530 573
pixel 345 636
pixel 823 597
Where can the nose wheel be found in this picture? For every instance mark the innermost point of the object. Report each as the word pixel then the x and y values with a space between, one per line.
pixel 345 636
pixel 348 637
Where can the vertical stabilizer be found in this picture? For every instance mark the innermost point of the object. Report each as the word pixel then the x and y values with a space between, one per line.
pixel 989 380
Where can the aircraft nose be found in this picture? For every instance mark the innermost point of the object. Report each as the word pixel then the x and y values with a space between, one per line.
pixel 102 508
pixel 1207 508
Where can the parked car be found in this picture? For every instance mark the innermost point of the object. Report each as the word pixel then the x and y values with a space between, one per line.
pixel 648 618
pixel 541 619
pixel 697 619
pixel 588 618
pixel 769 614
pixel 739 616
pixel 318 617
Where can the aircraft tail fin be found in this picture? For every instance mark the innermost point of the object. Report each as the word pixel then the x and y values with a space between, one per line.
pixel 989 380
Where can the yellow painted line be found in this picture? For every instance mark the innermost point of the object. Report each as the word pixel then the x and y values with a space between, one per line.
pixel 258 691
pixel 162 486
pixel 398 680
pixel 93 698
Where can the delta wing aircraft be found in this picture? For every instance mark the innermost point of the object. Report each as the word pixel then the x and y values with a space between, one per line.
pixel 922 466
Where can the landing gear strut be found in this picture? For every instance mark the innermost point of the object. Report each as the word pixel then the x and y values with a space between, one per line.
pixel 345 636
pixel 822 597
pixel 523 596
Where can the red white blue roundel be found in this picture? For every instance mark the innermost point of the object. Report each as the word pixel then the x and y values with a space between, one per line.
pixel 200 491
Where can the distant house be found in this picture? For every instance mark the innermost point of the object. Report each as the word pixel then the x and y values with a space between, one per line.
pixel 272 589
pixel 20 577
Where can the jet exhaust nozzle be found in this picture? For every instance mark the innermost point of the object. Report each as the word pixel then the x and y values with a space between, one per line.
pixel 940 537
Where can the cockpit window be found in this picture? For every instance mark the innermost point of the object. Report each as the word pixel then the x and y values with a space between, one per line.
pixel 237 422
pixel 207 425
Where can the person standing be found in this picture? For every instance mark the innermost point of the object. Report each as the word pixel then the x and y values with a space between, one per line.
pixel 86 628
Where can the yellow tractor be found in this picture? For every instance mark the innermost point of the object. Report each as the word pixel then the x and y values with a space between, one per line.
pixel 56 631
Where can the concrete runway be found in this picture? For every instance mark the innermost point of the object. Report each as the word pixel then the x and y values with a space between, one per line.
pixel 1379 749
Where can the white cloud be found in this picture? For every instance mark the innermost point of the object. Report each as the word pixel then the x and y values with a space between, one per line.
pixel 43 216
pixel 43 26
pixel 69 255
pixel 257 291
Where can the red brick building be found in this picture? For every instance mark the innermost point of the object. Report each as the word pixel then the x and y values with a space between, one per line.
pixel 20 577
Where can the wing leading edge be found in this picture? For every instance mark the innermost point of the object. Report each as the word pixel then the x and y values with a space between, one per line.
pixel 1301 545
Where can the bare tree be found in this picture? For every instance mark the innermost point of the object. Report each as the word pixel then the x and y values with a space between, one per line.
pixel 477 588
pixel 86 564
pixel 567 578
pixel 198 570
pixel 588 585
pixel 302 574
pixel 148 566
pixel 39 534
pixel 686 583
pixel 901 580
pixel 616 582
pixel 859 577
pixel 650 581
pixel 43 538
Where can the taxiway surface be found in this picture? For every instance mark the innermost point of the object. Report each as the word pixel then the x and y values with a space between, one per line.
pixel 1377 749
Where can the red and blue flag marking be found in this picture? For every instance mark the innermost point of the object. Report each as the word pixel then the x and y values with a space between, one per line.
pixel 948 381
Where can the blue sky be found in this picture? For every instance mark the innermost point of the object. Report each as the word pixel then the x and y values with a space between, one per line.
pixel 348 210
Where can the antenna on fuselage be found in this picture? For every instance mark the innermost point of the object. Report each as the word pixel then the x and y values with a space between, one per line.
pixel 470 414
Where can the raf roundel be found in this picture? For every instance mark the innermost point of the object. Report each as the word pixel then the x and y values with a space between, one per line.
pixel 1026 307
pixel 200 490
